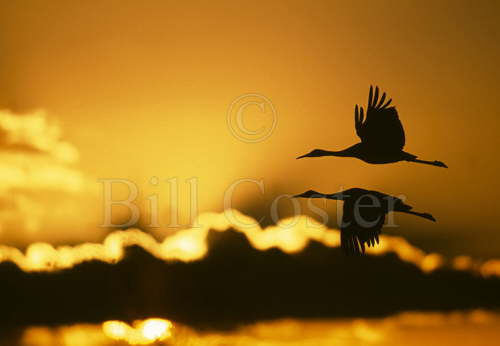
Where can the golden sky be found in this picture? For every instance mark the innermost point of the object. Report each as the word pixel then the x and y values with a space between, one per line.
pixel 142 89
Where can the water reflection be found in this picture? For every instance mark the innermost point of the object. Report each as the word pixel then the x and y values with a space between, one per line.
pixel 411 328
pixel 140 333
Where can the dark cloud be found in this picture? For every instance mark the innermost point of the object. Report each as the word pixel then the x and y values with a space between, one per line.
pixel 236 283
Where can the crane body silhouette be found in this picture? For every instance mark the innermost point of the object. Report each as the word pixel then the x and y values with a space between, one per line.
pixel 381 133
pixel 363 216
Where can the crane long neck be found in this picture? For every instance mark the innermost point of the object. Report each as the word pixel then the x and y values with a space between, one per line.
pixel 352 151
pixel 342 153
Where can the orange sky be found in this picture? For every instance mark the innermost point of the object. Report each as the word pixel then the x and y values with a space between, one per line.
pixel 142 90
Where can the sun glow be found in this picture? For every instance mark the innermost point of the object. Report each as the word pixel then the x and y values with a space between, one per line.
pixel 140 333
pixel 408 328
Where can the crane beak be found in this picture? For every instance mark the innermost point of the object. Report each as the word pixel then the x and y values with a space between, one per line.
pixel 312 153
pixel 429 217
pixel 310 194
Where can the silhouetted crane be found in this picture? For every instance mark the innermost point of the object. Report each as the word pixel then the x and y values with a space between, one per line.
pixel 363 215
pixel 382 136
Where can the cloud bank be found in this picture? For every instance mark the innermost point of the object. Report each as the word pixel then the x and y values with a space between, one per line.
pixel 289 235
pixel 40 183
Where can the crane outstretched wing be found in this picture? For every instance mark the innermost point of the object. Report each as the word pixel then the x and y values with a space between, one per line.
pixel 381 130
pixel 360 228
